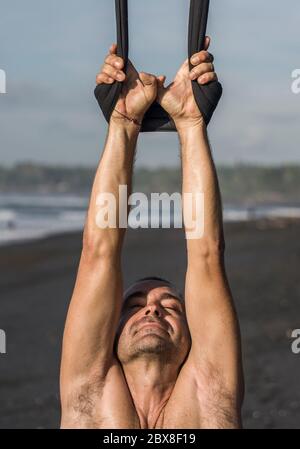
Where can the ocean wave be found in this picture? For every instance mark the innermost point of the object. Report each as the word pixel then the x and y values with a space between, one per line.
pixel 28 217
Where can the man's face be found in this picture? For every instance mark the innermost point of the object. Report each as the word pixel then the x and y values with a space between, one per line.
pixel 153 323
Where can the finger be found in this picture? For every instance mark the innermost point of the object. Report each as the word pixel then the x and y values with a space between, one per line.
pixel 202 56
pixel 115 61
pixel 207 78
pixel 147 79
pixel 102 78
pixel 161 80
pixel 113 49
pixel 201 69
pixel 206 42
pixel 117 75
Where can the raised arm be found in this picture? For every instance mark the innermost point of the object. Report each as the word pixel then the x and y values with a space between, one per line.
pixel 215 355
pixel 95 306
pixel 210 311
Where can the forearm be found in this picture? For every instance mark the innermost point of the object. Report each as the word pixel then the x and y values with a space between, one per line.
pixel 114 170
pixel 199 178
pixel 94 310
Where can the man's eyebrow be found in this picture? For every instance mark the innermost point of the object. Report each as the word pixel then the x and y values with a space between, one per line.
pixel 137 294
pixel 167 295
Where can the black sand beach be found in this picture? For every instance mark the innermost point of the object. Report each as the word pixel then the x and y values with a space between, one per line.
pixel 36 281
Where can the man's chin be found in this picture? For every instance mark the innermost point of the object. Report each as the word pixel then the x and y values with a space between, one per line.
pixel 152 343
pixel 148 345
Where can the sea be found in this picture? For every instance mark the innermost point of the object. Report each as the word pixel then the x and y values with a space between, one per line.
pixel 33 216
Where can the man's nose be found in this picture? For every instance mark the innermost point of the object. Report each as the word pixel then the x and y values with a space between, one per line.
pixel 153 309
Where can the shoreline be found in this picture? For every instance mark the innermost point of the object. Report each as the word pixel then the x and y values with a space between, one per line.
pixel 264 222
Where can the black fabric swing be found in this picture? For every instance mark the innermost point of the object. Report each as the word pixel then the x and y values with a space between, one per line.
pixel 156 118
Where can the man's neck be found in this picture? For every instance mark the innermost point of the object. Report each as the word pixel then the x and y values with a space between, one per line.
pixel 150 383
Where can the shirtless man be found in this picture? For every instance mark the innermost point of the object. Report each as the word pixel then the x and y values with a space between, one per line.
pixel 149 359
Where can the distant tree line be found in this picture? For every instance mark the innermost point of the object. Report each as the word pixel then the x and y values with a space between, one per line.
pixel 239 183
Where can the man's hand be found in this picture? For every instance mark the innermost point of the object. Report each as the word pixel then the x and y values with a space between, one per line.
pixel 139 90
pixel 177 99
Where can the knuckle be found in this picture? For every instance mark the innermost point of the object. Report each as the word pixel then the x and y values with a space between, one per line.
pixel 196 58
pixel 193 74
pixel 107 59
pixel 109 70
pixel 202 79
pixel 203 55
pixel 199 70
pixel 114 61
pixel 207 56
pixel 119 61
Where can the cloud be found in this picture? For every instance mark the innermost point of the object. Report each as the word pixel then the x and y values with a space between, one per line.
pixel 49 113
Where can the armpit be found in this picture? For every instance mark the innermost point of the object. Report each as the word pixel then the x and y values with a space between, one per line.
pixel 80 407
pixel 220 412
pixel 219 407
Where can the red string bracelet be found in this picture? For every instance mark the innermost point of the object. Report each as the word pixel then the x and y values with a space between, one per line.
pixel 129 118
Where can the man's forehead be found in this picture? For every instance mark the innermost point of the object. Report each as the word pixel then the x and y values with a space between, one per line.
pixel 143 287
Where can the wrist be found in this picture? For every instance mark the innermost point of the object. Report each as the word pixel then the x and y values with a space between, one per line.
pixel 125 119
pixel 185 125
pixel 191 131
pixel 120 124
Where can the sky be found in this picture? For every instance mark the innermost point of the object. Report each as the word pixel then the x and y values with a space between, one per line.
pixel 52 51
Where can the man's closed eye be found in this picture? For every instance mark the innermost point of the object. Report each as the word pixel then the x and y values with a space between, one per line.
pixel 173 308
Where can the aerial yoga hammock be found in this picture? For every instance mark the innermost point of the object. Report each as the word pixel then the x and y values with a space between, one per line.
pixel 156 118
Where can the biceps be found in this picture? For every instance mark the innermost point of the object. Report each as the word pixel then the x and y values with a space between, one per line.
pixel 213 326
pixel 92 317
pixel 209 305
